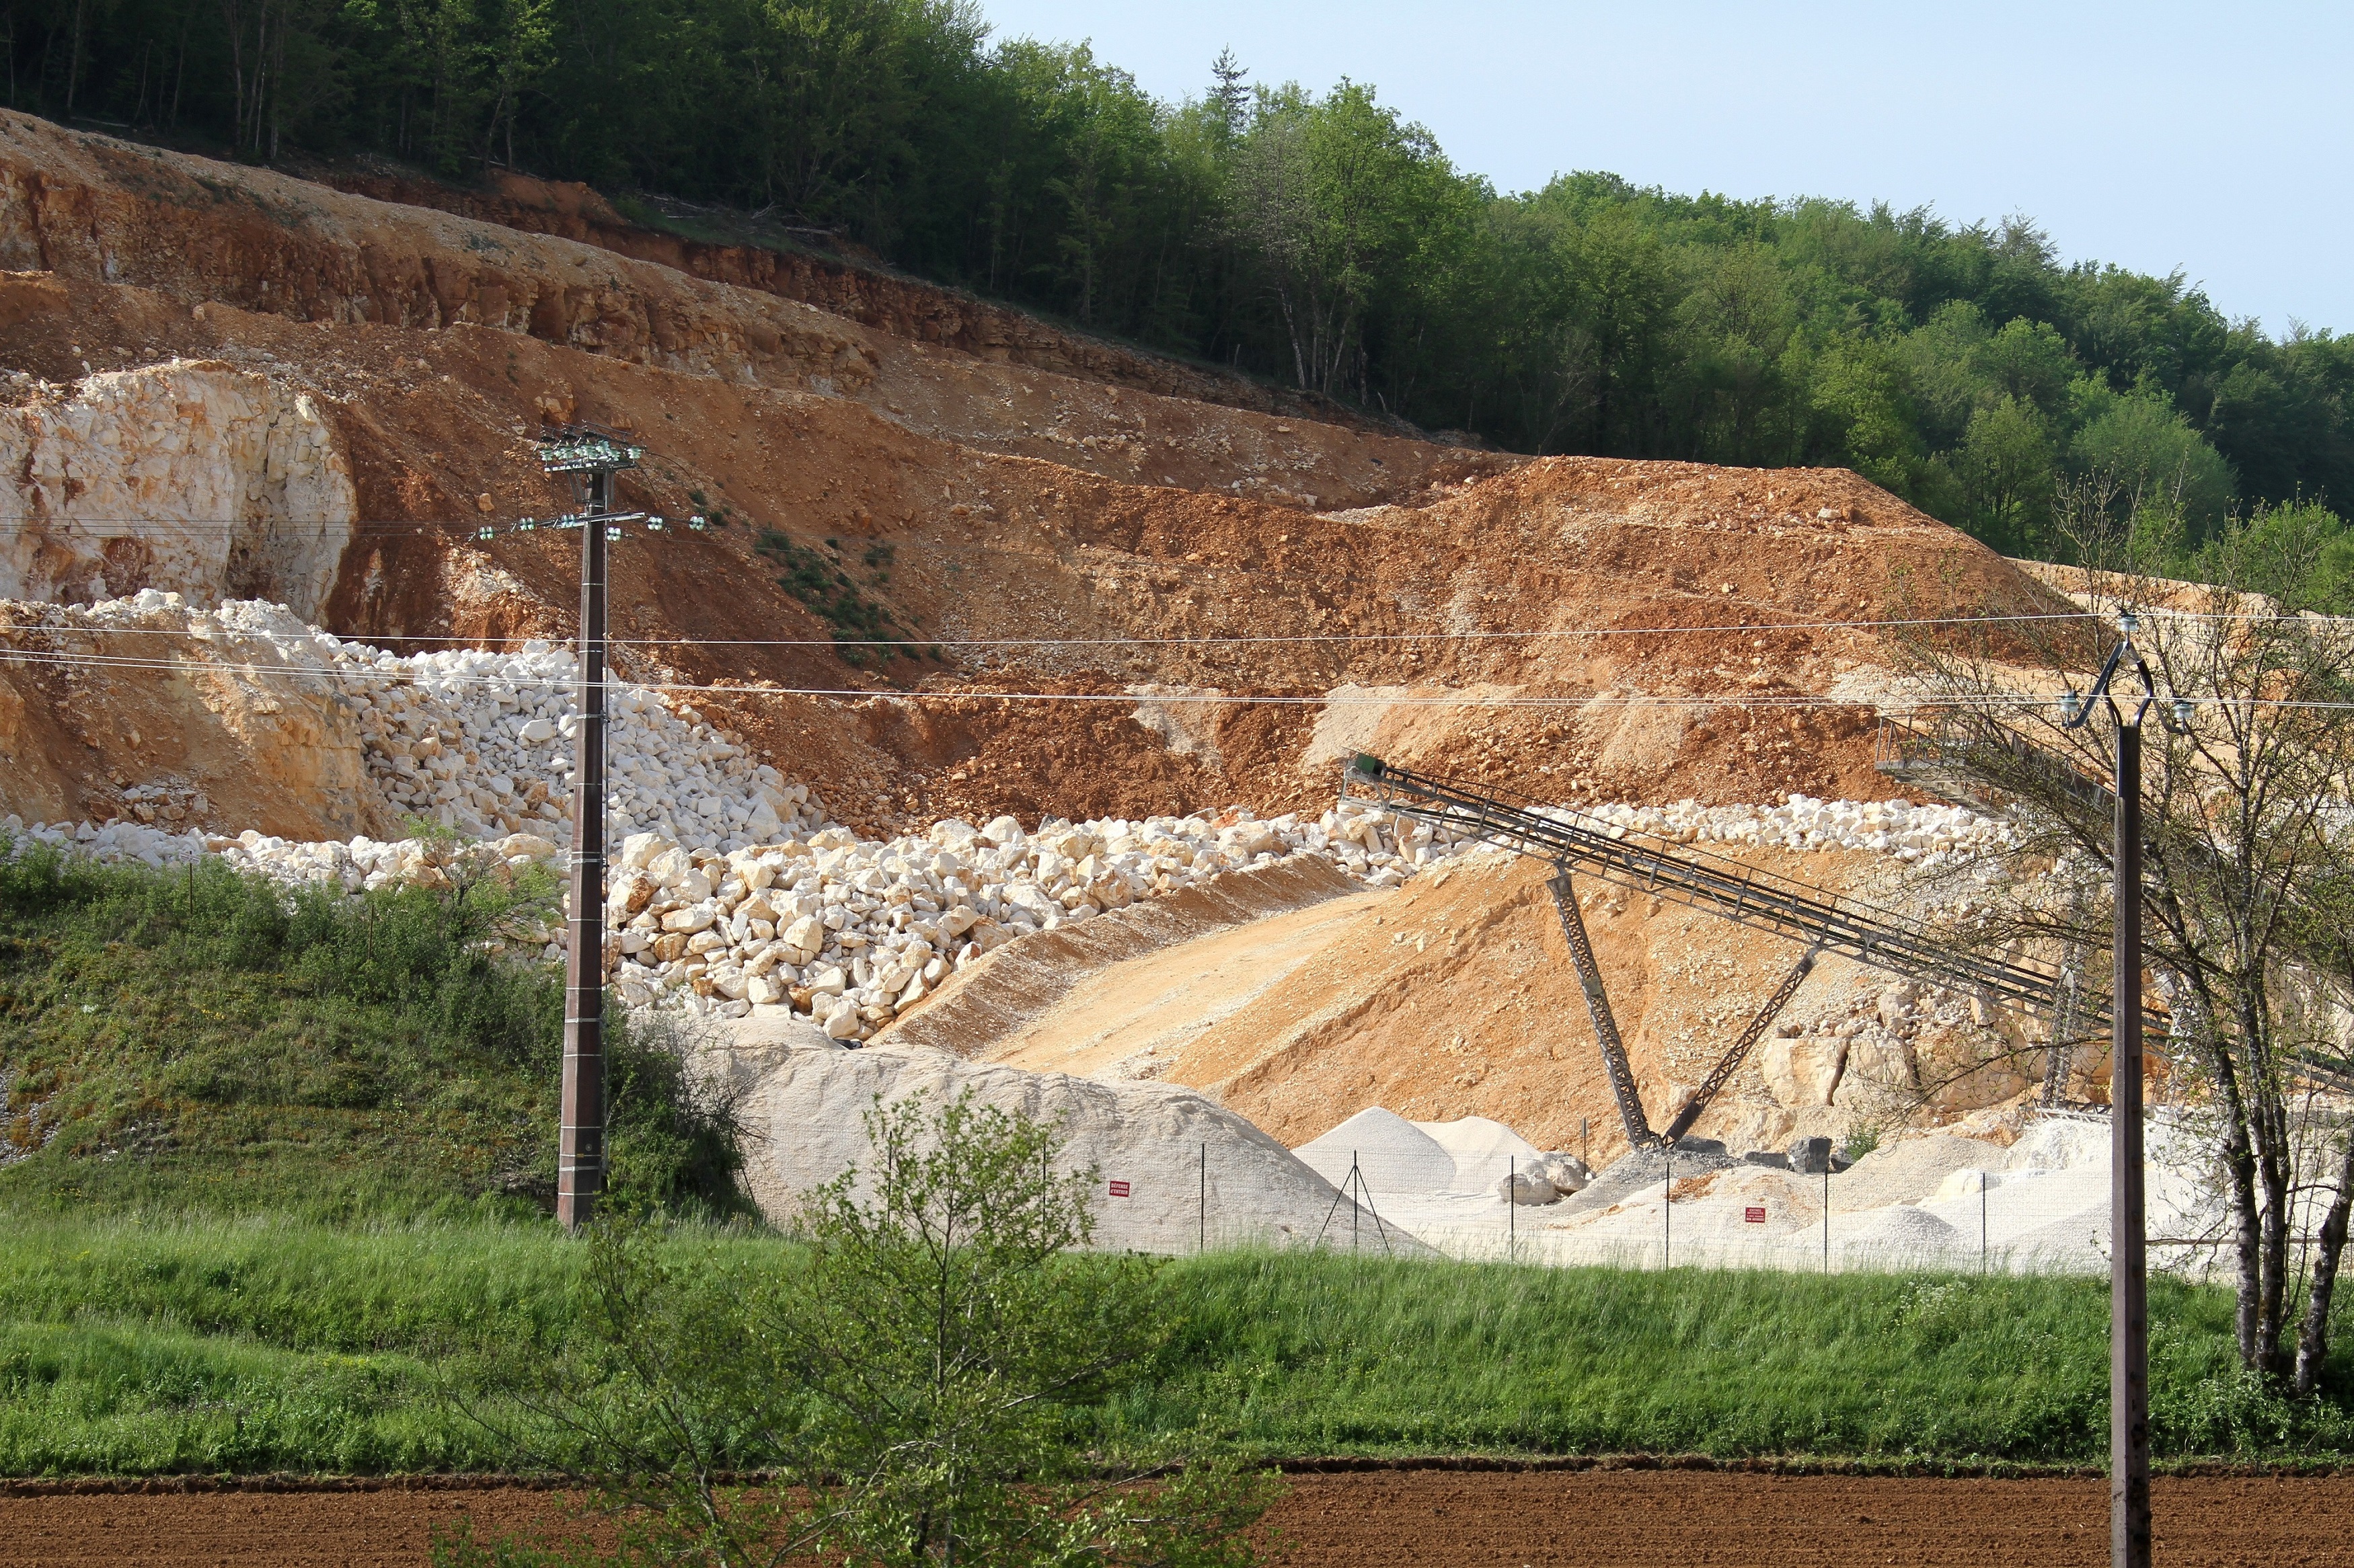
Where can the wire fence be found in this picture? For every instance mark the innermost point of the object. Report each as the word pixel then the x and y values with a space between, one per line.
pixel 2039 1207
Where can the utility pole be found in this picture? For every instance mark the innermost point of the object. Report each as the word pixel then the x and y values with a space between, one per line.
pixel 2129 1518
pixel 591 456
pixel 2130 1525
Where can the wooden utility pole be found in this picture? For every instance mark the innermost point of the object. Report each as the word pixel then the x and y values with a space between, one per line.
pixel 591 456
pixel 2129 1529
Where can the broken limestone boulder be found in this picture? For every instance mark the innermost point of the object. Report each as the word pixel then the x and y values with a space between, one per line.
pixel 1568 1172
pixel 1803 1072
pixel 1527 1187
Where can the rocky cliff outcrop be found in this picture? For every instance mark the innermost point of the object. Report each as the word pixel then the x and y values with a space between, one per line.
pixel 189 476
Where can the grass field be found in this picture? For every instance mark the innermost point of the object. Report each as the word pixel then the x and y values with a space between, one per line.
pixel 249 1345
pixel 273 1172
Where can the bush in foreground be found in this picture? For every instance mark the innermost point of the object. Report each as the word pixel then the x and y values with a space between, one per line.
pixel 921 1380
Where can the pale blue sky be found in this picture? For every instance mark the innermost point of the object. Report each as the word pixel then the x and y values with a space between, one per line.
pixel 2214 138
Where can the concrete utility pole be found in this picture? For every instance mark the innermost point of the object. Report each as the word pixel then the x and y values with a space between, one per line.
pixel 591 456
pixel 2129 1518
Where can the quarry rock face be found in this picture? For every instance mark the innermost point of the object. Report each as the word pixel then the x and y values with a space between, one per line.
pixel 967 569
pixel 190 477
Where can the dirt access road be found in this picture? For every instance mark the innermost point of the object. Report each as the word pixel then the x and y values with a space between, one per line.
pixel 1376 1519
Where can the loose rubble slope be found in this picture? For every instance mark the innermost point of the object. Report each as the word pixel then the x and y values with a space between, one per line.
pixel 1455 996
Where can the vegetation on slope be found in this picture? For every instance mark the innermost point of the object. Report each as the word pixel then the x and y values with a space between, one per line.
pixel 203 1039
pixel 1318 240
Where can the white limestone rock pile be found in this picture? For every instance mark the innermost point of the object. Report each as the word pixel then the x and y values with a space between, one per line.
pixel 108 843
pixel 482 742
pixel 362 864
pixel 250 636
pixel 1929 833
pixel 1802 823
pixel 851 932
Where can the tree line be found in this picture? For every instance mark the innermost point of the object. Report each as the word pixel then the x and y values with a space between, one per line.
pixel 1316 239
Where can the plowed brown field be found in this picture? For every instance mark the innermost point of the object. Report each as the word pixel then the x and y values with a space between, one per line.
pixel 1512 1519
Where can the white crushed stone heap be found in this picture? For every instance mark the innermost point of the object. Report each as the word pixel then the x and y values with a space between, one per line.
pixel 731 893
pixel 482 742
pixel 1802 823
pixel 852 931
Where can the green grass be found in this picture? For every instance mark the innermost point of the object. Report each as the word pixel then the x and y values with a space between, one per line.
pixel 246 1345
pixel 273 1187
pixel 1299 1354
pixel 205 1041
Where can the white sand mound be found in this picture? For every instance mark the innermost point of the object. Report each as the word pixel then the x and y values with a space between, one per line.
pixel 2076 1242
pixel 1479 1148
pixel 803 1106
pixel 2064 1143
pixel 1908 1170
pixel 1395 1157
pixel 1900 1230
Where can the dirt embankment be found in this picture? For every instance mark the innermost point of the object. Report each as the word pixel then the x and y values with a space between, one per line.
pixel 896 305
pixel 1087 579
pixel 182 733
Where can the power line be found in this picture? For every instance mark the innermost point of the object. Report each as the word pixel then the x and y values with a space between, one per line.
pixel 1290 638
pixel 1793 700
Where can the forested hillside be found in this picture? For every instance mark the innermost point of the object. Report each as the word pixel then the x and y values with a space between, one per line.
pixel 1312 238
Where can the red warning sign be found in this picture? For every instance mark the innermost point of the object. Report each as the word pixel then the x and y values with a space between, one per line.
pixel 1754 1215
pixel 1119 1190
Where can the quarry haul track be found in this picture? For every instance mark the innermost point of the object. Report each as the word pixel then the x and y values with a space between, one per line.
pixel 1379 1519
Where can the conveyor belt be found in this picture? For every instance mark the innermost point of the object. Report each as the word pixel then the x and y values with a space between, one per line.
pixel 1725 888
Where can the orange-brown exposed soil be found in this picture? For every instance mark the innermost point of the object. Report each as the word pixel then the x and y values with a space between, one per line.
pixel 1027 508
pixel 1453 996
pixel 900 306
pixel 1382 1518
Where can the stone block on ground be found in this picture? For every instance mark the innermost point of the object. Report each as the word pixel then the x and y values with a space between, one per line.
pixel 1527 1187
pixel 1809 1156
pixel 1568 1172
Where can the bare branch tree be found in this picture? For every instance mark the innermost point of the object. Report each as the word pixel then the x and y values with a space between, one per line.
pixel 2248 891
